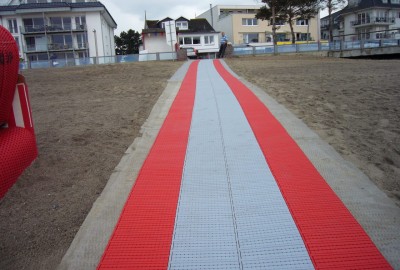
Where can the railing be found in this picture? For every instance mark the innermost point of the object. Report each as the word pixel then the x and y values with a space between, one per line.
pixel 363 44
pixel 30 29
pixel 238 51
pixel 374 20
pixel 59 63
pixel 54 47
pixel 289 48
pixel 373 39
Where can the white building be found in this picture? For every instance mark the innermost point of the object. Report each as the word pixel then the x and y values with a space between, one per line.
pixel 194 33
pixel 337 29
pixel 57 32
pixel 370 20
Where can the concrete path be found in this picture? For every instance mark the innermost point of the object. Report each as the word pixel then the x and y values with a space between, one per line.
pixel 228 184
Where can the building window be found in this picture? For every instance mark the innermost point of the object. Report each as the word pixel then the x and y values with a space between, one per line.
pixel 277 22
pixel 364 34
pixel 81 39
pixel 196 40
pixel 12 26
pixel 364 18
pixel 302 22
pixel 250 38
pixel 250 22
pixel 381 16
pixel 302 36
pixel 380 35
pixel 281 37
pixel 60 23
pixel 209 40
pixel 189 40
pixel 17 41
pixel 182 25
pixel 61 42
pixel 34 25
pixel 395 1
pixel 80 22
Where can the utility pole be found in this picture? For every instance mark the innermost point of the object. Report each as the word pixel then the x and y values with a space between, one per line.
pixel 95 44
pixel 212 16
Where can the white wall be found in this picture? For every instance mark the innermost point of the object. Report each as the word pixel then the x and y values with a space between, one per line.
pixel 226 25
pixel 154 44
pixel 93 22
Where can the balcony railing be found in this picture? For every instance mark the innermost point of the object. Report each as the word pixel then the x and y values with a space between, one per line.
pixel 374 20
pixel 54 28
pixel 55 47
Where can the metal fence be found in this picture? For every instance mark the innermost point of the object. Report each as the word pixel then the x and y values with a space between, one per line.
pixel 271 49
pixel 237 50
pixel 87 61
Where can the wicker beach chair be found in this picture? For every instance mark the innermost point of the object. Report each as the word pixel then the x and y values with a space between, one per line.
pixel 17 138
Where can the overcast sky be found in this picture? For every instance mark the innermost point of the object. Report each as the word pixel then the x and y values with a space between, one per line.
pixel 130 14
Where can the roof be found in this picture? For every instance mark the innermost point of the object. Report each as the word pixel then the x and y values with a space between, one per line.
pixel 55 5
pixel 335 15
pixel 199 25
pixel 195 26
pixel 366 4
pixel 151 24
pixel 181 18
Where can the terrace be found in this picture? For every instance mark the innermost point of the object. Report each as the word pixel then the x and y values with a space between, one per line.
pixel 373 21
pixel 54 28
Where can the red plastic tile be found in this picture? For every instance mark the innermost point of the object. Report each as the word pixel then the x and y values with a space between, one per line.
pixel 142 237
pixel 334 239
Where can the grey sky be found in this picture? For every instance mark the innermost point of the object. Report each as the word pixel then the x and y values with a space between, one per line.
pixel 130 14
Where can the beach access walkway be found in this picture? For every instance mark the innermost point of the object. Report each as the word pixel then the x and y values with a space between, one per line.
pixel 231 180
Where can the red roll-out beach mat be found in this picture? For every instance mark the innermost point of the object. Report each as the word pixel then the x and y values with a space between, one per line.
pixel 225 187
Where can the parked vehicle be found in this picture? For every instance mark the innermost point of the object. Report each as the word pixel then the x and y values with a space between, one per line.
pixel 191 52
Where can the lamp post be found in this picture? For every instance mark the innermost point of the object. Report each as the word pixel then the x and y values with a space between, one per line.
pixel 95 44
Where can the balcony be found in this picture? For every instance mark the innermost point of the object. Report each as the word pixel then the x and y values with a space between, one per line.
pixel 55 47
pixel 374 21
pixel 54 28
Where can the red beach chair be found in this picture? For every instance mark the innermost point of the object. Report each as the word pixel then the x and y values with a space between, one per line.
pixel 17 138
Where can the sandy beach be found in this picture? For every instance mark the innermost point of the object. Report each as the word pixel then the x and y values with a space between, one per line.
pixel 85 118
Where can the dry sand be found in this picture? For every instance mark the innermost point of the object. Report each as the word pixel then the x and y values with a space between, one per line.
pixel 86 118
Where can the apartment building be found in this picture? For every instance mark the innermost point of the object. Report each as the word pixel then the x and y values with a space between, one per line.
pixel 370 20
pixel 337 29
pixel 241 26
pixel 57 32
